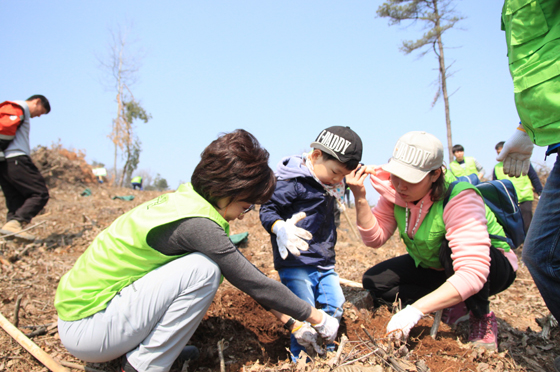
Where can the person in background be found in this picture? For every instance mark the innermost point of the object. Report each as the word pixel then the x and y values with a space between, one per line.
pixel 464 165
pixel 523 185
pixel 532 34
pixel 144 284
pixel 451 262
pixel 24 187
pixel 300 218
pixel 136 183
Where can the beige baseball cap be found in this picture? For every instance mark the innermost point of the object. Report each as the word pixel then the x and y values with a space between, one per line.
pixel 415 155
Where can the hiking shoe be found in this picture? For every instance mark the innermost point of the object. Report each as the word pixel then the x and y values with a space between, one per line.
pixel 14 226
pixel 189 352
pixel 455 314
pixel 484 331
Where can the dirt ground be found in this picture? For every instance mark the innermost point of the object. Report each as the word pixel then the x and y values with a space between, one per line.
pixel 252 338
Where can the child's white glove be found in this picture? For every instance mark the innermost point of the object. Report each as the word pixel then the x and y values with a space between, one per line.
pixel 290 237
pixel 306 336
pixel 402 322
pixel 327 328
pixel 516 154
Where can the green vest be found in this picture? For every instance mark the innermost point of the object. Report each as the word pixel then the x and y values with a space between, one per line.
pixel 425 246
pixel 120 255
pixel 533 40
pixel 136 179
pixel 458 170
pixel 523 186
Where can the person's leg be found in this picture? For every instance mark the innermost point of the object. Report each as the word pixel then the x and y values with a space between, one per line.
pixel 298 280
pixel 14 200
pixel 150 320
pixel 400 276
pixel 526 208
pixel 23 175
pixel 329 296
pixel 541 251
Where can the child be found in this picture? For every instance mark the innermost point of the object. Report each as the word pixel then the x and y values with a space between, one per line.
pixel 464 165
pixel 310 188
pixel 451 262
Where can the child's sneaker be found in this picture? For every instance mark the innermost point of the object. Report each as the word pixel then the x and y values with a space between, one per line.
pixel 455 314
pixel 484 331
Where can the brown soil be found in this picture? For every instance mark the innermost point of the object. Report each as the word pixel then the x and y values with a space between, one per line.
pixel 253 339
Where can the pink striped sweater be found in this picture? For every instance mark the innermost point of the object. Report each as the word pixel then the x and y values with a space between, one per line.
pixel 465 221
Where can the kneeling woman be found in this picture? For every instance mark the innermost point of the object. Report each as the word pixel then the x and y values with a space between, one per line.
pixel 144 284
pixel 451 263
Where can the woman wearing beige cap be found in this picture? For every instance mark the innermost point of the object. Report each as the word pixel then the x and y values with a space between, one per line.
pixel 451 262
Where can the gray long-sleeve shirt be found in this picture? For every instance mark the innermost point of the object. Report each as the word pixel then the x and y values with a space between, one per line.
pixel 205 236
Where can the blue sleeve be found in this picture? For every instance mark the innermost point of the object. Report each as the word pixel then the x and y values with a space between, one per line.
pixel 280 205
pixel 535 181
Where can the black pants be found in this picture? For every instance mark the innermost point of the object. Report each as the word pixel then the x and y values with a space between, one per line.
pixel 24 188
pixel 400 277
pixel 526 209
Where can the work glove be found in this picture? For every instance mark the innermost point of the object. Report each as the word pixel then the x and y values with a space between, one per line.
pixel 290 237
pixel 402 322
pixel 516 154
pixel 327 328
pixel 306 336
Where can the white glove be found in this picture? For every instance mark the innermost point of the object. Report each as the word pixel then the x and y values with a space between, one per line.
pixel 290 237
pixel 327 328
pixel 402 322
pixel 306 336
pixel 516 154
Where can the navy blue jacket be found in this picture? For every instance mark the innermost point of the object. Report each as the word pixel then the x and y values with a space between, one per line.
pixel 302 193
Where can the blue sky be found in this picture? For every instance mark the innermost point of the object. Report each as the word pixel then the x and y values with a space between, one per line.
pixel 283 70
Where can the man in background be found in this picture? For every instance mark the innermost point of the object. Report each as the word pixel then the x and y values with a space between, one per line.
pixel 23 185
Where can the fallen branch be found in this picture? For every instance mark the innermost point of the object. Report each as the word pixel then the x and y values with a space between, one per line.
pixel 343 341
pixel 350 283
pixel 31 347
pixel 343 209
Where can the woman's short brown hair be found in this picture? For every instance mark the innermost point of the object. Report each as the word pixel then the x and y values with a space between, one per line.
pixel 236 166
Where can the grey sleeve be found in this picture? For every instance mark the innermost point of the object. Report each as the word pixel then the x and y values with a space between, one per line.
pixel 479 167
pixel 205 236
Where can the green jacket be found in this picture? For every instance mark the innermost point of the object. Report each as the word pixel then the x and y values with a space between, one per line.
pixel 523 186
pixel 425 246
pixel 120 254
pixel 533 40
pixel 458 170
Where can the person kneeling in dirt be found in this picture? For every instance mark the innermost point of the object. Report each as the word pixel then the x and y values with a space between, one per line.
pixel 23 185
pixel 451 263
pixel 144 284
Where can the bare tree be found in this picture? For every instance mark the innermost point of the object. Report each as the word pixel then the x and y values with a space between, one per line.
pixel 438 16
pixel 121 66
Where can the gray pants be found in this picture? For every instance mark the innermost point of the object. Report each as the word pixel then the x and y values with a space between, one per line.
pixel 151 320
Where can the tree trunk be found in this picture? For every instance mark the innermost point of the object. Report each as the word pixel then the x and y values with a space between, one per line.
pixel 443 74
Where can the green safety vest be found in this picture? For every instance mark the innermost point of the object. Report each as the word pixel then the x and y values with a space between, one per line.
pixel 136 179
pixel 523 186
pixel 458 170
pixel 533 40
pixel 425 246
pixel 120 255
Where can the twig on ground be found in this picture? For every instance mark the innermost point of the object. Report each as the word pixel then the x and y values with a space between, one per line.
pixel 343 341
pixel 16 310
pixel 221 354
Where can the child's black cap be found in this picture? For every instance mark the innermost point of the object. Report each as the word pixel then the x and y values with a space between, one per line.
pixel 341 142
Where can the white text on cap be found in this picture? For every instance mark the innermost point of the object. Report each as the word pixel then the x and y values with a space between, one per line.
pixel 333 142
pixel 411 155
